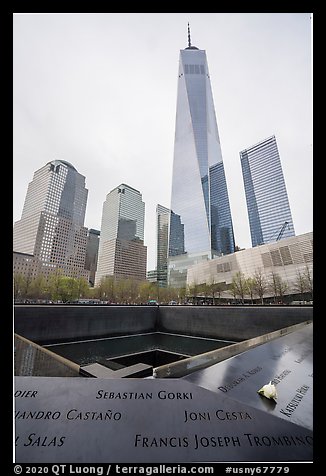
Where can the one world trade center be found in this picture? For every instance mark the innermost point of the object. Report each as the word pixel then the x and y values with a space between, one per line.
pixel 200 222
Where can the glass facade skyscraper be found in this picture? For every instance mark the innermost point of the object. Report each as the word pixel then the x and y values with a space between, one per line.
pixel 162 226
pixel 51 227
pixel 122 253
pixel 201 224
pixel 93 238
pixel 268 206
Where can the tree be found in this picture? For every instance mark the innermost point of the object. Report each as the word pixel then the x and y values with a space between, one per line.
pixel 94 293
pixel 282 288
pixel 126 290
pixel 250 287
pixel 38 287
pixel 64 288
pixel 179 294
pixel 82 287
pixel 273 285
pixel 106 288
pixel 216 288
pixel 172 294
pixel 309 281
pixel 19 286
pixel 260 284
pixel 278 286
pixel 120 290
pixel 193 290
pixel 233 290
pixel 205 290
pixel 68 289
pixel 26 286
pixel 162 293
pixel 145 291
pixel 300 283
pixel 238 285
pixel 54 283
pixel 133 290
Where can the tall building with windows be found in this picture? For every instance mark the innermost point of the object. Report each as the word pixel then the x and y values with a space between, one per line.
pixel 162 227
pixel 268 206
pixel 51 228
pixel 201 227
pixel 93 239
pixel 122 253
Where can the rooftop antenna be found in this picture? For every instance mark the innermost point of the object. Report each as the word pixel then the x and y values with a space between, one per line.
pixel 189 40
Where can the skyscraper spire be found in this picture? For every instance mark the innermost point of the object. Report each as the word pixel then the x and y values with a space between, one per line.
pixel 190 47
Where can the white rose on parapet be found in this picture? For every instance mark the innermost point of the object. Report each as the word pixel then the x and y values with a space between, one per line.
pixel 269 391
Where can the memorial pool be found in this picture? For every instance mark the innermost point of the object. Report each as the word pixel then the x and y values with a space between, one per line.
pixel 155 348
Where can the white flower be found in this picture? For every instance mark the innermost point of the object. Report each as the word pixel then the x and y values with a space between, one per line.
pixel 269 391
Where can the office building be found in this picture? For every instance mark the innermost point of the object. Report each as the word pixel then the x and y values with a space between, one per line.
pixel 201 227
pixel 268 206
pixel 25 265
pixel 151 276
pixel 122 253
pixel 162 227
pixel 93 239
pixel 51 228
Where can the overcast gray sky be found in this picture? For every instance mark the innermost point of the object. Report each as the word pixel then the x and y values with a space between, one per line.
pixel 99 91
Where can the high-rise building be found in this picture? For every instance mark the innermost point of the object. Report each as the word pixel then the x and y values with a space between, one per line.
pixel 122 253
pixel 51 227
pixel 93 239
pixel 268 206
pixel 151 276
pixel 162 227
pixel 202 225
